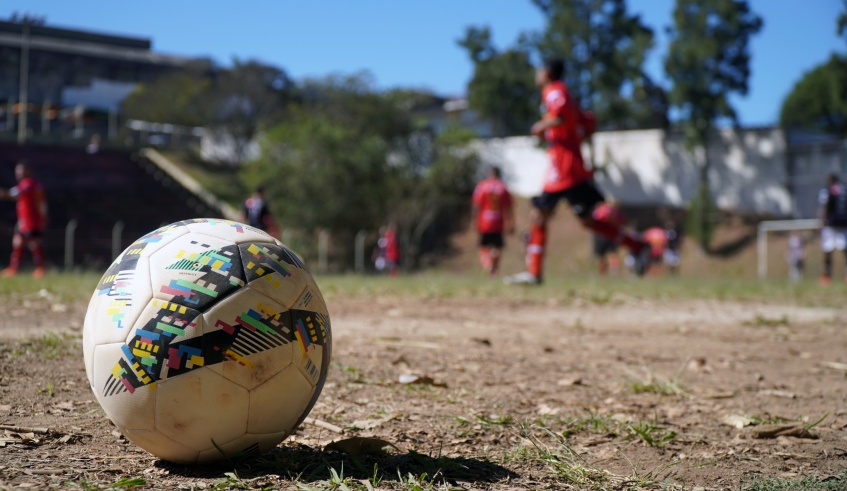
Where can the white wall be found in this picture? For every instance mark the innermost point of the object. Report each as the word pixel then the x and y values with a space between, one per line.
pixel 748 170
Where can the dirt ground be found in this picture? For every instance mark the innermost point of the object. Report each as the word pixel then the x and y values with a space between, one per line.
pixel 614 393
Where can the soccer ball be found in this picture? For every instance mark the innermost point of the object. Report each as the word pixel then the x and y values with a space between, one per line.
pixel 207 339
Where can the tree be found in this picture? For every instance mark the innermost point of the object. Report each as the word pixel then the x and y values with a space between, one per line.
pixel 503 85
pixel 177 98
pixel 247 97
pixel 708 60
pixel 842 21
pixel 604 48
pixel 818 100
pixel 235 103
pixel 348 157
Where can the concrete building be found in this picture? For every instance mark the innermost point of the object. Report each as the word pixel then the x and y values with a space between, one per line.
pixel 67 67
pixel 762 171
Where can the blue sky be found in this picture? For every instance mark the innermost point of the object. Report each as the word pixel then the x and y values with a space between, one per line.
pixel 412 43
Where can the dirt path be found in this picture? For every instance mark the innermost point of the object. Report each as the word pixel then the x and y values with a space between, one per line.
pixel 588 372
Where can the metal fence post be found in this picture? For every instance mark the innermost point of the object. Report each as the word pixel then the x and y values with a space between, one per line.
pixel 323 245
pixel 360 251
pixel 69 244
pixel 116 238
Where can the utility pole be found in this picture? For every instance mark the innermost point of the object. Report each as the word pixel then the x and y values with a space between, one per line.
pixel 24 82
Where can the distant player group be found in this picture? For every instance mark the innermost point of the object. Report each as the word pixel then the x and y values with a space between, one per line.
pixel 563 127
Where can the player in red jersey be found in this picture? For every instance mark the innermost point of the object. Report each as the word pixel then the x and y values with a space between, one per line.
pixel 32 218
pixel 564 126
pixel 605 249
pixel 492 210
pixel 657 237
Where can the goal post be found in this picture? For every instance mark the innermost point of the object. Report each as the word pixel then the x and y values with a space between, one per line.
pixel 779 226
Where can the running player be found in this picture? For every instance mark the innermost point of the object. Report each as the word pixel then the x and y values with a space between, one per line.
pixel 493 212
pixel 564 126
pixel 833 201
pixel 605 249
pixel 657 237
pixel 32 217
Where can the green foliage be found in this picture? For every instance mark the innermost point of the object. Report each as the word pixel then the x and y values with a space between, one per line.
pixel 176 98
pixel 604 48
pixel 503 85
pixel 708 61
pixel 702 215
pixel 818 100
pixel 236 103
pixel 350 158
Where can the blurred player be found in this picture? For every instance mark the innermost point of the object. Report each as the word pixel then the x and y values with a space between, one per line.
pixel 672 249
pixel 833 201
pixel 493 213
pixel 32 217
pixel 255 212
pixel 605 249
pixel 796 256
pixel 564 126
pixel 387 255
pixel 658 240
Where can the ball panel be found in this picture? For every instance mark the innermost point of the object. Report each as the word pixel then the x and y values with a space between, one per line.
pixel 255 334
pixel 161 446
pixel 200 406
pixel 120 296
pixel 312 339
pixel 235 232
pixel 196 271
pixel 276 404
pixel 167 339
pixel 127 406
pixel 247 446
pixel 152 242
pixel 272 270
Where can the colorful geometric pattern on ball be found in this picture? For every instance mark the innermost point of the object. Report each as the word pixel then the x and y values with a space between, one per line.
pixel 228 310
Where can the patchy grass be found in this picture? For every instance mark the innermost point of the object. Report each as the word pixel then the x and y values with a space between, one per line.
pixel 650 431
pixel 653 383
pixel 591 421
pixel 436 284
pixel 55 287
pixel 805 483
pixel 48 346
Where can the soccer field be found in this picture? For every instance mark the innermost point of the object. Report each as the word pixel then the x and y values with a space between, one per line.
pixel 581 383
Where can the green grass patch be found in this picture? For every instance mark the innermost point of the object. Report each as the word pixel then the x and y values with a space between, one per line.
pixel 437 284
pixel 804 483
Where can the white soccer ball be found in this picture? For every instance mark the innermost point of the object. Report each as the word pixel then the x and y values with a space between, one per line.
pixel 206 339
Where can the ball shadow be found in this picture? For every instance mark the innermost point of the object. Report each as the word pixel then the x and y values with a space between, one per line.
pixel 306 464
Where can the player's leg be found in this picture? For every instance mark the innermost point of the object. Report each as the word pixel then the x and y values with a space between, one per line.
pixel 17 252
pixel 827 246
pixel 542 209
pixel 584 197
pixel 485 252
pixel 494 250
pixel 600 250
pixel 34 242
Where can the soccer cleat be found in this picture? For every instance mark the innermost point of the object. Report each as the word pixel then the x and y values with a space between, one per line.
pixel 525 278
pixel 38 272
pixel 9 272
pixel 824 280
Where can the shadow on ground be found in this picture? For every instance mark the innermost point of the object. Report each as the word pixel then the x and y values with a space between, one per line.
pixel 306 464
